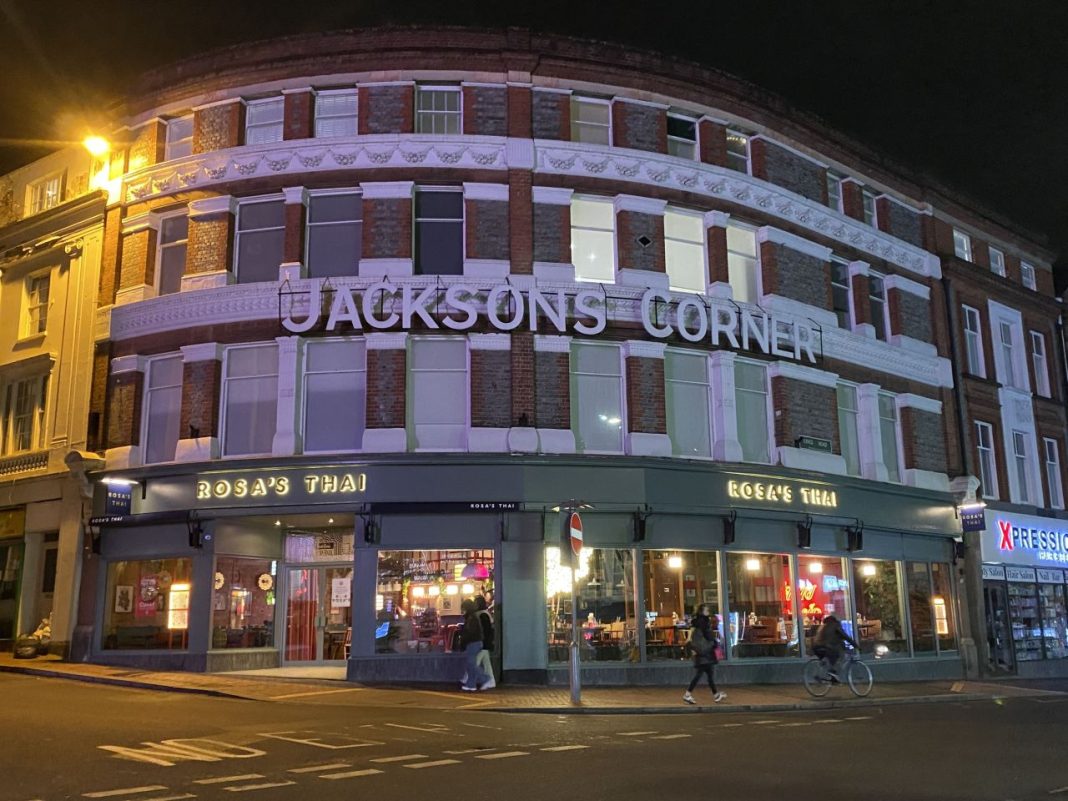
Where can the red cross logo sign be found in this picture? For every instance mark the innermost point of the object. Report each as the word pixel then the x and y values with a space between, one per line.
pixel 1006 535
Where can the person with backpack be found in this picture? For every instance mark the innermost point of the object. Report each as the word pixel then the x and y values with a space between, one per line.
pixel 703 647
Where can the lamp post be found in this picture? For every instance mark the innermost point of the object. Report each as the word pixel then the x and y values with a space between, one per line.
pixel 567 541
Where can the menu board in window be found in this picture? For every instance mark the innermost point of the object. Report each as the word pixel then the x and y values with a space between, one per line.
pixel 1023 615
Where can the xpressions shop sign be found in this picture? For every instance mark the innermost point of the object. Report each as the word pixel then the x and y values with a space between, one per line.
pixel 1023 540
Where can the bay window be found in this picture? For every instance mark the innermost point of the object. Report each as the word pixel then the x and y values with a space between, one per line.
pixel 591 120
pixel 334 234
pixel 742 268
pixel 684 250
pixel 264 121
pixel 438 110
pixel 335 113
pixel 738 151
pixel 173 245
pixel 260 237
pixel 682 136
pixel 179 138
pixel 439 231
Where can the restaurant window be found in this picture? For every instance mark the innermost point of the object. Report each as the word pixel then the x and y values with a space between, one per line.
pixel 942 607
pixel 688 403
pixel 163 408
pixel 1038 360
pixel 682 136
pixel 438 389
pixel 742 267
pixel 962 245
pixel 179 138
pixel 439 231
pixel 335 113
pixel 438 110
pixel 22 414
pixel 997 262
pixel 973 338
pixel 684 250
pixel 591 120
pixel 834 191
pixel 880 615
pixel 842 293
pixel 593 239
pixel 44 194
pixel 173 245
pixel 867 199
pixel 597 397
pixel 249 400
pixel 848 430
pixel 888 435
pixel 822 589
pixel 606 605
pixel 418 596
pixel 677 585
pixel 921 608
pixel 1054 477
pixel 37 303
pixel 1027 275
pixel 761 621
pixel 147 605
pixel 264 121
pixel 335 395
pixel 988 472
pixel 335 234
pixel 877 304
pixel 260 235
pixel 243 602
pixel 737 151
pixel 1020 458
pixel 751 403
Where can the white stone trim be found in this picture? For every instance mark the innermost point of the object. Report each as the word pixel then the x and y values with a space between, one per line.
pixel 519 153
pixel 916 346
pixel 859 268
pixel 487 440
pixel 387 190
pixel 199 449
pixel 394 340
pixel 725 445
pixel 809 459
pixel 215 103
pixel 287 440
pixel 642 444
pixel 386 268
pixel 554 272
pixel 292 271
pixel 798 372
pixel 869 439
pixel 903 284
pixel 926 479
pixel 522 439
pixel 780 304
pixel 722 290
pixel 212 280
pixel 909 400
pixel 134 363
pixel 307 90
pixel 552 195
pixel 629 276
pixel 385 440
pixel 777 236
pixel 716 219
pixel 489 342
pixel 636 102
pixel 211 206
pixel 643 349
pixel 485 84
pixel 553 90
pixel 482 191
pixel 134 294
pixel 487 268
pixel 385 83
pixel 642 205
pixel 295 195
pixel 788 148
pixel 551 343
pixel 202 352
pixel 122 457
pixel 148 220
pixel 556 440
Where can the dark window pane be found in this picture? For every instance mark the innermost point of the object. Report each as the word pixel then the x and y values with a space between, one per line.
pixel 174 229
pixel 439 205
pixel 171 268
pixel 684 129
pixel 334 208
pixel 258 256
pixel 439 248
pixel 334 250
pixel 261 215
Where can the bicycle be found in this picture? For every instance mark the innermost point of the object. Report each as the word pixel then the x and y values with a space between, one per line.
pixel 818 680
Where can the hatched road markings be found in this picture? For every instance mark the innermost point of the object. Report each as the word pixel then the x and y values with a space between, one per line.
pixel 265 786
pixel 405 758
pixel 224 779
pixel 318 768
pixel 151 788
pixel 503 755
pixel 436 763
pixel 565 748
pixel 351 774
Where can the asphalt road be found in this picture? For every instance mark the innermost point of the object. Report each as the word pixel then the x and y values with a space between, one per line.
pixel 67 740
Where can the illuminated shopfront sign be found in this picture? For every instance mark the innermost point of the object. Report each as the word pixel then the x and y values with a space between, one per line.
pixel 278 485
pixel 1025 540
pixel 781 493
pixel 506 307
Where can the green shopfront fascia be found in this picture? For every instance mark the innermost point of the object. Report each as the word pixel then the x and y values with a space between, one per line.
pixel 364 565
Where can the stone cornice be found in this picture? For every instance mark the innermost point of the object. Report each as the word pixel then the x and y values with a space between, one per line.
pixel 903 284
pixel 798 372
pixel 777 236
pixel 919 403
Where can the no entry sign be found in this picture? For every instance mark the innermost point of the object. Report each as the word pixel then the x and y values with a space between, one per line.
pixel 576 533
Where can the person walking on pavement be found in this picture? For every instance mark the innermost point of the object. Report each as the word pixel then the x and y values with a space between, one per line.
pixel 488 636
pixel 703 647
pixel 471 643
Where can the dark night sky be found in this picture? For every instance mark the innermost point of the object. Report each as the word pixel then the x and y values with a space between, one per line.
pixel 975 93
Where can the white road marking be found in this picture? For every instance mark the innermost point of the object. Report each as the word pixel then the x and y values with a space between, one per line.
pixel 311 693
pixel 762 722
pixel 267 786
pixel 468 751
pixel 170 797
pixel 480 726
pixel 125 791
pixel 634 733
pixel 731 725
pixel 958 686
pixel 503 755
pixel 434 764
pixel 225 779
pixel 404 758
pixel 340 741
pixel 565 748
pixel 317 768
pixel 351 774
pixel 433 729
pixel 860 717
pixel 1059 790
pixel 828 720
pixel 791 725
pixel 670 736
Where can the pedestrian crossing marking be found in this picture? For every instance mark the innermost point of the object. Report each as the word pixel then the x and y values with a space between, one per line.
pixel 434 764
pixel 503 755
pixel 317 768
pixel 225 779
pixel 351 774
pixel 404 758
pixel 244 788
pixel 150 788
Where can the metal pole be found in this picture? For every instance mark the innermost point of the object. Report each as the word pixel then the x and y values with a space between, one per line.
pixel 574 666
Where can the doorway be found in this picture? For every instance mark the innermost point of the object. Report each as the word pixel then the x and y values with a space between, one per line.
pixel 318 627
pixel 1000 659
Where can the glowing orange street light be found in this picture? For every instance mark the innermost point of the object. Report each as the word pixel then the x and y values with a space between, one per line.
pixel 96 145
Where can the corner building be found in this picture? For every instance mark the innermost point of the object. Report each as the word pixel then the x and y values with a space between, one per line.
pixel 384 302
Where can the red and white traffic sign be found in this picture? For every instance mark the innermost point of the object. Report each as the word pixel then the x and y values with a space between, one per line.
pixel 576 533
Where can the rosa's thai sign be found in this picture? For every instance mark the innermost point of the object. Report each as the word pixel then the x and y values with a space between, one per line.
pixel 276 485
pixel 1025 540
pixel 775 492
pixel 385 307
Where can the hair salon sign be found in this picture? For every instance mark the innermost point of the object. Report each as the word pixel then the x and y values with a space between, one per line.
pixel 386 307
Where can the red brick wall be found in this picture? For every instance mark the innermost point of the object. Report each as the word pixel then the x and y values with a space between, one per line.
pixel 201 383
pixel 923 437
pixel 852 201
pixel 211 244
pixel 551 113
pixel 630 227
pixel 861 303
pixel 293 246
pixel 299 112
pixel 639 127
pixel 552 233
pixel 522 373
pixel 387 228
pixel 804 409
pixel 138 259
pixel 96 434
pixel 218 127
pixel 149 144
pixel 712 139
pixel 519 112
pixel 491 388
pixel 645 395
pixel 520 222
pixel 552 390
pixel 386 388
pixel 485 110
pixel 110 257
pixel 717 254
pixel 386 109
pixel 124 409
pixel 486 229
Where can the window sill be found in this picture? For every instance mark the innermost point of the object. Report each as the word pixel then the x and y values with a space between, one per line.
pixel 32 339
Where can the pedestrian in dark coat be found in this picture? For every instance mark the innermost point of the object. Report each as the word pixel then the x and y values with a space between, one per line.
pixel 471 642
pixel 703 647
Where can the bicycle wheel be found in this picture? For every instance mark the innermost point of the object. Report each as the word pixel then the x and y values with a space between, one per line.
pixel 815 678
pixel 859 678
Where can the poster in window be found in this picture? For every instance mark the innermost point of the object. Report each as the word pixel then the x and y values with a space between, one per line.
pixel 708 596
pixel 124 594
pixel 340 593
pixel 148 597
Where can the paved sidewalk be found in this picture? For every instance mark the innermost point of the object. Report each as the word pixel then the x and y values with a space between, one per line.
pixel 283 687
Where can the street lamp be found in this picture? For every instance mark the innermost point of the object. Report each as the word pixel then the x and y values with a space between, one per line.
pixel 96 145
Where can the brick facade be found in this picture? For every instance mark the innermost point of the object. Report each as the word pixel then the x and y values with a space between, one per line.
pixel 552 233
pixel 899 221
pixel 218 127
pixel 646 412
pixel 923 436
pixel 125 391
pixel 491 388
pixel 386 109
pixel 910 315
pixel 201 384
pixel 551 113
pixel 804 409
pixel 386 388
pixel 552 390
pixel 520 222
pixel 296 215
pixel 792 274
pixel 299 111
pixel 639 127
pixel 138 259
pixel 487 229
pixel 485 110
pixel 387 228
pixel 633 227
pixel 783 168
pixel 149 144
pixel 211 244
pixel 716 239
pixel 521 356
pixel 712 140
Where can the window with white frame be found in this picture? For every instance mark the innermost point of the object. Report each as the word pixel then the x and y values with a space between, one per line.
pixel 848 428
pixel 1010 371
pixel 597 397
pixel 867 200
pixel 743 270
pixel 738 151
pixel 973 341
pixel 438 376
pixel 888 435
pixel 335 394
pixel 593 239
pixel 834 191
pixel 684 250
pixel 44 194
pixel 334 234
pixel 22 414
pixel 682 136
pixel 591 120
pixel 988 470
pixel 687 402
pixel 249 399
pixel 1054 476
pixel 1021 459
pixel 1027 275
pixel 264 121
pixel 1038 359
pixel 173 244
pixel 878 306
pixel 997 262
pixel 438 110
pixel 163 408
pixel 38 294
pixel 260 239
pixel 962 245
pixel 842 293
pixel 751 403
pixel 335 113
pixel 179 138
pixel 439 231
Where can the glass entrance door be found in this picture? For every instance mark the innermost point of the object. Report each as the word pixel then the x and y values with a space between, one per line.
pixel 318 614
pixel 998 638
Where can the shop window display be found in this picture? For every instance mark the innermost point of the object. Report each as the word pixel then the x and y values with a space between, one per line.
pixel 1054 621
pixel 822 589
pixel 418 597
pixel 921 614
pixel 606 596
pixel 761 617
pixel 880 614
pixel 942 607
pixel 1026 625
pixel 677 584
pixel 147 605
pixel 243 603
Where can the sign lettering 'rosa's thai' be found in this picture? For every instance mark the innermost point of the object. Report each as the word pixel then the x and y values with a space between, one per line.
pixel 383 306
pixel 781 493
pixel 254 486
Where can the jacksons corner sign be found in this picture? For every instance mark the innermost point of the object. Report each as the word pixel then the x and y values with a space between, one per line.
pixel 506 307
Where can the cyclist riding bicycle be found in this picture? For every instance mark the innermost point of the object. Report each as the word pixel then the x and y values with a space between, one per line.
pixel 829 644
